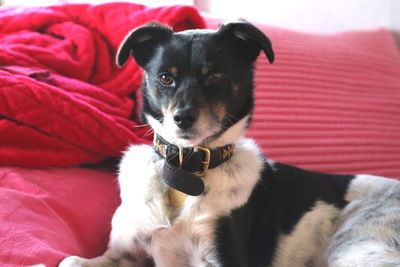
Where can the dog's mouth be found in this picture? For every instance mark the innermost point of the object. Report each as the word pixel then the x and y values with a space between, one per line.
pixel 199 134
pixel 186 135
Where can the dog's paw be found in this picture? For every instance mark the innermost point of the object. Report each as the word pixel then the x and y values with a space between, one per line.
pixel 72 261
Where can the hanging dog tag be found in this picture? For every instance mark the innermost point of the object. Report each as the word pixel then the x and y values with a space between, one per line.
pixel 176 198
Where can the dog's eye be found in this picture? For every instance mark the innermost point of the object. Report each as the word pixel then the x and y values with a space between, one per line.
pixel 215 77
pixel 166 79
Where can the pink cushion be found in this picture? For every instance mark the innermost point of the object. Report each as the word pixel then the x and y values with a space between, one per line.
pixel 48 214
pixel 330 102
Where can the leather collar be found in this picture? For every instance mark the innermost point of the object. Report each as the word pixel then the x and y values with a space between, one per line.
pixel 184 166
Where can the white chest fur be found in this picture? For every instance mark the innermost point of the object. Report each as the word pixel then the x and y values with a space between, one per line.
pixel 146 220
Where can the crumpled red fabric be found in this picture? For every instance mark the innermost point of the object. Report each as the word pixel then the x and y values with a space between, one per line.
pixel 63 101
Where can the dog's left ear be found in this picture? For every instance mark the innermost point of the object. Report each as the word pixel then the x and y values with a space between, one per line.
pixel 248 38
pixel 142 42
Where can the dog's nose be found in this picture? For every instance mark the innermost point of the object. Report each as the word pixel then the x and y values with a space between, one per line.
pixel 185 118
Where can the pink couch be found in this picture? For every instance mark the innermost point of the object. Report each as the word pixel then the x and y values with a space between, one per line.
pixel 329 103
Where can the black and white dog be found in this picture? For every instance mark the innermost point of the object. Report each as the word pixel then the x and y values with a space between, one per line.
pixel 204 195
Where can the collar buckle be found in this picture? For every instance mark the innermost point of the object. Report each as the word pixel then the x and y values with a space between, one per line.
pixel 206 161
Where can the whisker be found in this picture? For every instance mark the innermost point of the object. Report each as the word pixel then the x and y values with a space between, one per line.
pixel 229 120
pixel 141 125
pixel 232 116
pixel 148 132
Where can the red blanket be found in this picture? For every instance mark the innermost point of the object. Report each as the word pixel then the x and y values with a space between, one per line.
pixel 62 99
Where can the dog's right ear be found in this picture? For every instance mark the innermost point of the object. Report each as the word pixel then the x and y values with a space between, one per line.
pixel 142 42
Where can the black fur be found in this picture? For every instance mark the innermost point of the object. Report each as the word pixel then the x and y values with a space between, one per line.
pixel 249 236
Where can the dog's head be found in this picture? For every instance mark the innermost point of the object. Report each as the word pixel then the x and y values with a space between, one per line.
pixel 198 86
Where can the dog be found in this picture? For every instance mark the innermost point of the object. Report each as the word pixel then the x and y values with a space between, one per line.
pixel 204 195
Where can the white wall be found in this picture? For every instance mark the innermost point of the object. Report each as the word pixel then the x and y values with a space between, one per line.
pixel 50 2
pixel 311 15
pixel 305 15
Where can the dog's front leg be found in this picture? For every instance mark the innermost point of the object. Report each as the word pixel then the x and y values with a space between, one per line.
pixel 75 261
pixel 109 259
pixel 130 226
pixel 169 248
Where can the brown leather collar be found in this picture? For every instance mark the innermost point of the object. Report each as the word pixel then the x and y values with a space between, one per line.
pixel 184 166
pixel 195 159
